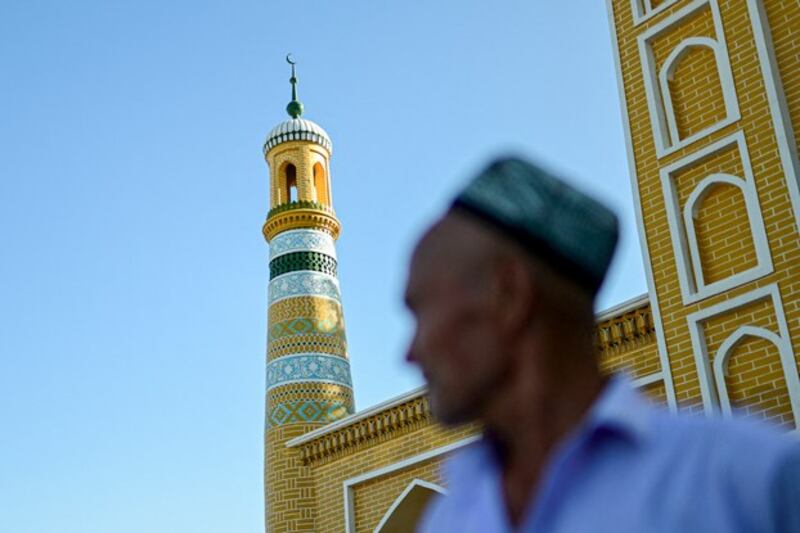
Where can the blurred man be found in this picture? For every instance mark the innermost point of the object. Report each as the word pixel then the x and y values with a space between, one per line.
pixel 502 289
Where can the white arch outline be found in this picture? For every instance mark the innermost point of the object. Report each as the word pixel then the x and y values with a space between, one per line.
pixel 643 9
pixel 411 486
pixel 705 372
pixel 668 71
pixel 656 103
pixel 681 225
pixel 787 364
pixel 757 232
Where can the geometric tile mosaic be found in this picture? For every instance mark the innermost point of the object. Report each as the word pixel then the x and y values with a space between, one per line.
pixel 327 344
pixel 305 326
pixel 302 240
pixel 303 283
pixel 306 307
pixel 329 392
pixel 308 368
pixel 304 411
pixel 304 260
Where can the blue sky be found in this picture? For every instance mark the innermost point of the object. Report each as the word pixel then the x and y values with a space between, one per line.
pixel 132 193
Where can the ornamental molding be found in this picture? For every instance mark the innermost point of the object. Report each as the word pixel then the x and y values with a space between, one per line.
pixel 301 218
pixel 302 240
pixel 303 283
pixel 381 423
pixel 308 368
pixel 627 329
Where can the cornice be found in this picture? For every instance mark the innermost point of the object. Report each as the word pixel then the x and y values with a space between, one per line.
pixel 625 326
pixel 358 430
pixel 301 217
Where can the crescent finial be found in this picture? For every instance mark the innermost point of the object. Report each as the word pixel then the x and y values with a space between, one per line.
pixel 295 108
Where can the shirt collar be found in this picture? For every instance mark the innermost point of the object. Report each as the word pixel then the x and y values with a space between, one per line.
pixel 621 410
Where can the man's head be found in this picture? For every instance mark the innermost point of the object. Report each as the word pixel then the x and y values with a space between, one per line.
pixel 484 278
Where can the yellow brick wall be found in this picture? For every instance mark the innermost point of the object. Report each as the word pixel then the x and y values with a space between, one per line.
pixel 374 498
pixel 303 155
pixel 695 88
pixel 722 225
pixel 627 343
pixel 784 18
pixel 723 234
pixel 291 502
pixel 773 195
pixel 756 382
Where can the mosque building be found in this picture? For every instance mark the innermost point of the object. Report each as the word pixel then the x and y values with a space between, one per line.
pixel 710 98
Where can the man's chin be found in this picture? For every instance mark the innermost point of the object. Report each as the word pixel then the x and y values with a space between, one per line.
pixel 448 414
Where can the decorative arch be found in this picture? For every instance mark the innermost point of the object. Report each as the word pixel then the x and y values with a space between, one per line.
pixel 667 72
pixel 406 511
pixel 321 184
pixel 757 232
pixel 787 362
pixel 287 182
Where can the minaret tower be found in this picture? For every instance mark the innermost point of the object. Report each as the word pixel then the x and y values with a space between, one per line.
pixel 308 372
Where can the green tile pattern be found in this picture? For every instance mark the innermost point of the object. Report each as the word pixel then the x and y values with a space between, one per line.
pixel 304 260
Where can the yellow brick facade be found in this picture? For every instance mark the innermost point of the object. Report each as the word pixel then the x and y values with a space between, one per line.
pixel 720 327
pixel 760 374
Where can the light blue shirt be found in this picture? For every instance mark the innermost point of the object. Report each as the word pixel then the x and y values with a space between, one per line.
pixel 634 467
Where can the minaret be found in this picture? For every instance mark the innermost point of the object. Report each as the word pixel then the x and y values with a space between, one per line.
pixel 308 372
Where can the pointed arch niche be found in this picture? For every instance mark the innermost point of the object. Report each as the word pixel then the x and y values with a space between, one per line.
pixel 722 361
pixel 285 184
pixel 713 373
pixel 406 511
pixel 724 91
pixel 321 189
pixel 697 280
pixel 657 80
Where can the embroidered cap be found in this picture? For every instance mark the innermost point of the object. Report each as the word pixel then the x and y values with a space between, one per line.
pixel 555 222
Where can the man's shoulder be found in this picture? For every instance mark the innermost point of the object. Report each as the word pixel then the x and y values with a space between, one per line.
pixel 733 432
pixel 740 447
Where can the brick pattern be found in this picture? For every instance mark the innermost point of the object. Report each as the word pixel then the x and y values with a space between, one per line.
pixel 784 19
pixel 723 234
pixel 756 383
pixel 303 155
pixel 373 498
pixel 731 253
pixel 627 343
pixel 695 88
pixel 722 225
pixel 289 491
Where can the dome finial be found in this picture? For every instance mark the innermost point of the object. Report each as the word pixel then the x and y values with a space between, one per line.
pixel 295 108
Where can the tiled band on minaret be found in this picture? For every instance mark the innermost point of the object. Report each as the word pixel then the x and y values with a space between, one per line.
pixel 308 372
pixel 308 375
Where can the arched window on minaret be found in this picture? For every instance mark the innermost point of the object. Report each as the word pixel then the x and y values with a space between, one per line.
pixel 290 181
pixel 321 184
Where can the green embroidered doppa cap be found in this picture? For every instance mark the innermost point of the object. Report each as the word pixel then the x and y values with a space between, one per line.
pixel 554 221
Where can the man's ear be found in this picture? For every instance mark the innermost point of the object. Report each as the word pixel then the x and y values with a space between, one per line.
pixel 513 295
